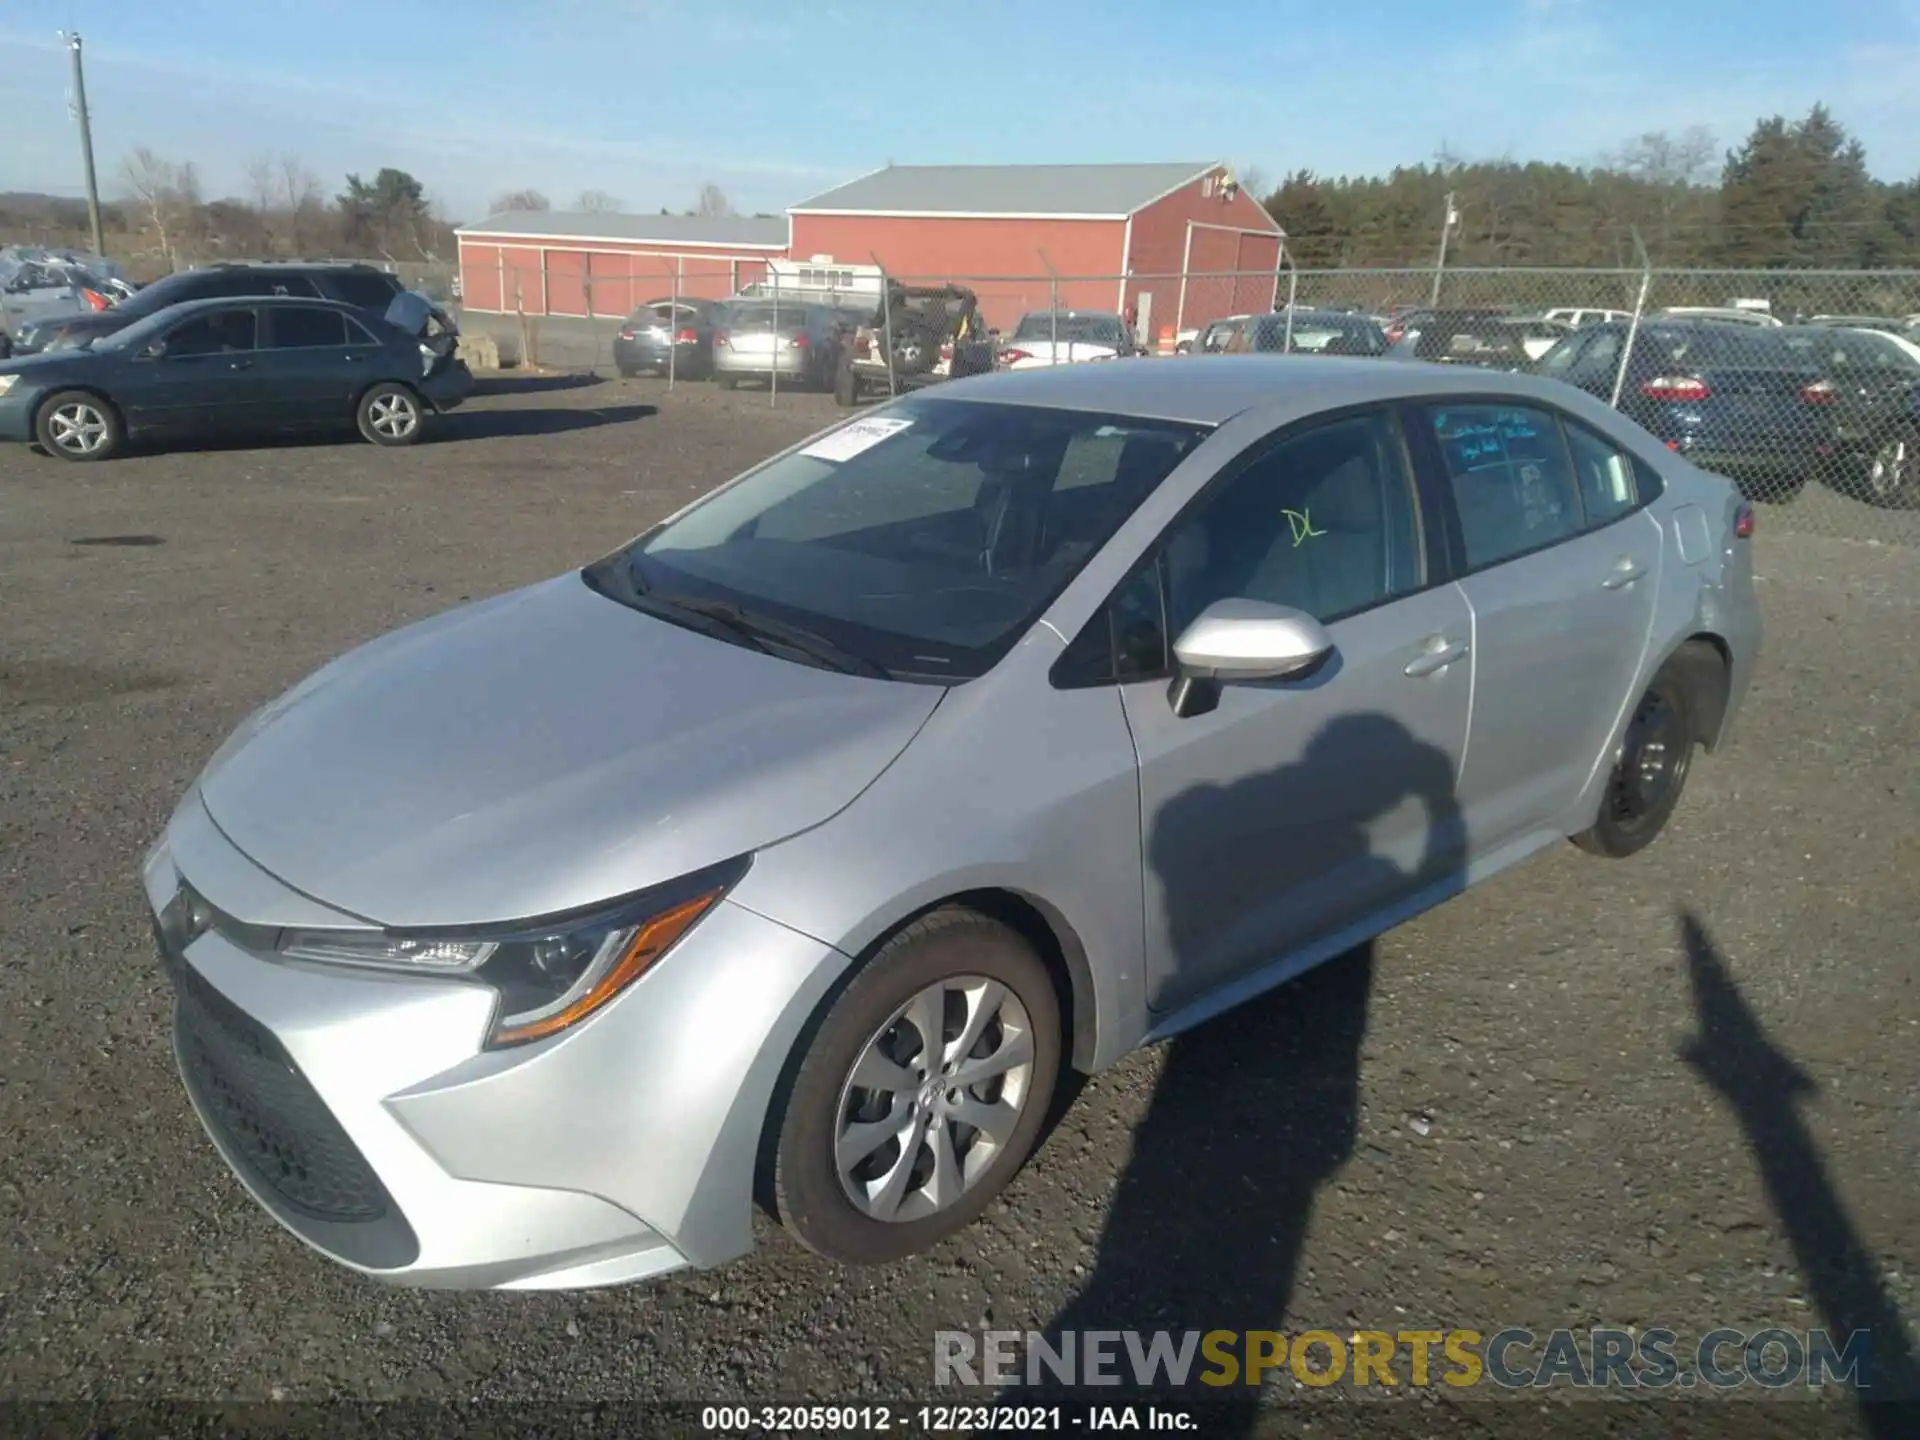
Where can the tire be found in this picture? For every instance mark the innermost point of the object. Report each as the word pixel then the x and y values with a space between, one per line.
pixel 627 372
pixel 916 350
pixel 1636 805
pixel 1892 476
pixel 78 425
pixel 391 414
pixel 987 970
pixel 726 382
pixel 846 384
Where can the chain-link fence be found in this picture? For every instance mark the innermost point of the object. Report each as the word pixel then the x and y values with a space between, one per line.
pixel 1803 387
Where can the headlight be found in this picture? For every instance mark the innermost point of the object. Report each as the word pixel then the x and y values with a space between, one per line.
pixel 548 977
pixel 7 383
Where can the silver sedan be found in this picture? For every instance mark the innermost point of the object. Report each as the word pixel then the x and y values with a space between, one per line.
pixel 795 850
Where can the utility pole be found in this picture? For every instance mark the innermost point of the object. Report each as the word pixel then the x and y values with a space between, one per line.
pixel 86 140
pixel 1446 233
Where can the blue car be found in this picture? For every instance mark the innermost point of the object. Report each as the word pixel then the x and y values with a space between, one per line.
pixel 1737 400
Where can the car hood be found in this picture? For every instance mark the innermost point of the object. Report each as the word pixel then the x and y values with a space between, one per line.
pixel 541 752
pixel 41 362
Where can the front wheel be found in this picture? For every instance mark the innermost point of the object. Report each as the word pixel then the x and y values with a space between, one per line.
pixel 77 425
pixel 726 382
pixel 922 1092
pixel 1652 770
pixel 391 414
pixel 846 384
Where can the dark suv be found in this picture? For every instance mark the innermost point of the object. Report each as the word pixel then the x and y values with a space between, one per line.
pixel 362 286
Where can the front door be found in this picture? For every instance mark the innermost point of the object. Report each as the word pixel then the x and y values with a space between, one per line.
pixel 1297 809
pixel 1561 569
pixel 205 378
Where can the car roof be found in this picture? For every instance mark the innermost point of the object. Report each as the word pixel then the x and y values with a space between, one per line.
pixel 1211 391
pixel 217 302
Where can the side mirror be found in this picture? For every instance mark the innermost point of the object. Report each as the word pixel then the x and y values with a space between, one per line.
pixel 1243 640
pixel 153 350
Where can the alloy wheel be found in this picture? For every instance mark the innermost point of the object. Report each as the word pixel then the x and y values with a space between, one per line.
pixel 394 415
pixel 934 1098
pixel 78 428
pixel 1891 469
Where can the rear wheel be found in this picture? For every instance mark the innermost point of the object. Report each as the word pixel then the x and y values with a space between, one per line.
pixel 1892 477
pixel 1648 778
pixel 846 384
pixel 77 425
pixel 922 1092
pixel 726 382
pixel 391 414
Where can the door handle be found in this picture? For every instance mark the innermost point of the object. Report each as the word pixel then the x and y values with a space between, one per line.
pixel 240 365
pixel 1438 653
pixel 1625 571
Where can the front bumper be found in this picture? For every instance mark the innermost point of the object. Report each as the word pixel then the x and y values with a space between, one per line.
pixel 358 1108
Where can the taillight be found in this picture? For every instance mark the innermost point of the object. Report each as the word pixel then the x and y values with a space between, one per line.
pixel 1820 392
pixel 863 346
pixel 1743 521
pixel 1014 357
pixel 800 341
pixel 1680 389
pixel 1394 332
pixel 95 300
pixel 629 334
pixel 946 352
pixel 719 339
pixel 686 335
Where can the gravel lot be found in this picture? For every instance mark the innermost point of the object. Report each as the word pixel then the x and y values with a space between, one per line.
pixel 1486 1121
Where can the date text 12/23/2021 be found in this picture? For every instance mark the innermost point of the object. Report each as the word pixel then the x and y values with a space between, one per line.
pixel 942 1419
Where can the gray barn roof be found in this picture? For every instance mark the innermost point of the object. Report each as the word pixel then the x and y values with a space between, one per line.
pixel 700 230
pixel 1114 191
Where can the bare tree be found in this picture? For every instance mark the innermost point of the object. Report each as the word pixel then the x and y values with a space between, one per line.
pixel 520 200
pixel 599 202
pixel 1253 182
pixel 713 201
pixel 300 198
pixel 263 198
pixel 167 197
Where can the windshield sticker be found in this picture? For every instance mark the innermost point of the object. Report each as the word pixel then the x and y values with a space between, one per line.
pixel 854 438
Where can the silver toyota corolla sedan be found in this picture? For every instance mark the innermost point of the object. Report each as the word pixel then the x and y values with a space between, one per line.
pixel 788 853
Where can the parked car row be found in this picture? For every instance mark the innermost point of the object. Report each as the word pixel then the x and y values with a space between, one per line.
pixel 236 350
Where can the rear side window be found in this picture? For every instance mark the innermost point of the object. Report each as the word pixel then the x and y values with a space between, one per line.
pixel 1609 487
pixel 302 328
pixel 1513 484
pixel 373 291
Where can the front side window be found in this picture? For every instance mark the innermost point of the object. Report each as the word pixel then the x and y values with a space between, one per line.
pixel 1513 484
pixel 219 332
pixel 926 537
pixel 1325 522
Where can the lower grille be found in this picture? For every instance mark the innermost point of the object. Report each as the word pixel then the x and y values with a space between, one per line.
pixel 271 1121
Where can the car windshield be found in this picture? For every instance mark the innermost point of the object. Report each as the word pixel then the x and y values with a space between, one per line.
pixel 1084 329
pixel 924 538
pixel 134 335
pixel 1314 333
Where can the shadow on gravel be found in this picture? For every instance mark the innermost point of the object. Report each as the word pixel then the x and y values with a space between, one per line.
pixel 1764 1087
pixel 509 383
pixel 1256 1110
pixel 462 425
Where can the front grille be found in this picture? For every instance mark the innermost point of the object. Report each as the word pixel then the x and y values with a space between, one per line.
pixel 270 1120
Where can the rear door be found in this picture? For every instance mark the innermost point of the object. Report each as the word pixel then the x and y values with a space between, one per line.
pixel 315 362
pixel 1560 565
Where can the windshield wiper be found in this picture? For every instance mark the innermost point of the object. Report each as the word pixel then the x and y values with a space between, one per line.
pixel 762 631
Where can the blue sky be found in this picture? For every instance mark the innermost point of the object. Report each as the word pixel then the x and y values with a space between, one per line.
pixel 772 100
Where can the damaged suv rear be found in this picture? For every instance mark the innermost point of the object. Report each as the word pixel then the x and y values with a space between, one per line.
pixel 918 335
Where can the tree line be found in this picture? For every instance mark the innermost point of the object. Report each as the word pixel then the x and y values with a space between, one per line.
pixel 1796 194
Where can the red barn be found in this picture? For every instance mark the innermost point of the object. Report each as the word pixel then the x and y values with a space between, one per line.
pixel 548 263
pixel 1181 242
